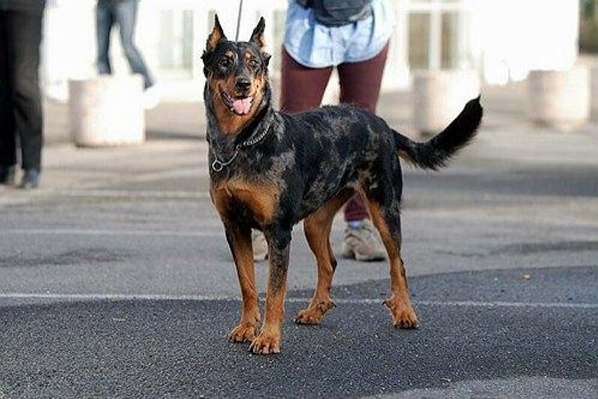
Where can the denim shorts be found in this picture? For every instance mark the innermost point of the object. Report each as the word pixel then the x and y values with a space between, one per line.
pixel 317 46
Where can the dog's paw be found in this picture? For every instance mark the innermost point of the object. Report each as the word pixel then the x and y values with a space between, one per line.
pixel 403 315
pixel 244 332
pixel 266 343
pixel 407 321
pixel 314 313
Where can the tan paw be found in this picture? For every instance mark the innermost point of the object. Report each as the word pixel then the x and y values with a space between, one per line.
pixel 244 332
pixel 314 314
pixel 403 316
pixel 266 344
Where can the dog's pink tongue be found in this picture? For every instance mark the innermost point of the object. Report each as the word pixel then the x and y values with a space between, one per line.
pixel 242 105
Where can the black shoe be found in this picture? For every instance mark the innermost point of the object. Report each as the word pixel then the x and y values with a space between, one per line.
pixel 7 175
pixel 30 179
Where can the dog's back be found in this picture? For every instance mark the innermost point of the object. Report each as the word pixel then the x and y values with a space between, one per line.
pixel 335 147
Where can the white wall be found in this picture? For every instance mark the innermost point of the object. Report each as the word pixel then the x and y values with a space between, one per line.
pixel 516 36
pixel 68 48
pixel 507 38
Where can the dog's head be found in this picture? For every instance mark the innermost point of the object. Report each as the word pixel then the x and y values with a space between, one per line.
pixel 236 77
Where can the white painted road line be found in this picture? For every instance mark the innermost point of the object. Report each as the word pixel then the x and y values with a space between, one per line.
pixel 366 301
pixel 150 194
pixel 112 233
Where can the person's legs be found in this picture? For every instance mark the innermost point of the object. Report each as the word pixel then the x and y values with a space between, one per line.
pixel 126 17
pixel 26 28
pixel 8 147
pixel 360 84
pixel 301 88
pixel 360 81
pixel 104 22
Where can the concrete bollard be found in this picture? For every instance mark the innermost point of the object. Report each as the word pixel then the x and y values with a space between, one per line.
pixel 559 99
pixel 107 111
pixel 439 96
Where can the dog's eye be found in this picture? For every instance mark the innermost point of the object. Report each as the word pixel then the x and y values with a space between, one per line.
pixel 224 63
pixel 252 63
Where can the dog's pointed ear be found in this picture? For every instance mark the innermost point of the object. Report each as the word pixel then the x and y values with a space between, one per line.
pixel 266 57
pixel 216 36
pixel 257 36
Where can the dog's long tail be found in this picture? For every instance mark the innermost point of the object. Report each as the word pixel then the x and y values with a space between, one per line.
pixel 436 152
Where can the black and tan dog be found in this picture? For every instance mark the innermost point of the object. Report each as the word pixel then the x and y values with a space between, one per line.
pixel 270 170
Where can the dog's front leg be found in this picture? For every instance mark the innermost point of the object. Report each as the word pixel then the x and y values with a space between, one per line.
pixel 269 338
pixel 239 240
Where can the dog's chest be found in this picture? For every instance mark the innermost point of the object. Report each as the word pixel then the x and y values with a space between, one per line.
pixel 237 196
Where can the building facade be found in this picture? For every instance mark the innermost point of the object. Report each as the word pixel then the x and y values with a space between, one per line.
pixel 502 39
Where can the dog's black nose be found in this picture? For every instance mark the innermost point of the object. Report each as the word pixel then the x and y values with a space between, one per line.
pixel 242 83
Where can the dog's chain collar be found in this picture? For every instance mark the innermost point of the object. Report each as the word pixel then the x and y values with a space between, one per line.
pixel 218 165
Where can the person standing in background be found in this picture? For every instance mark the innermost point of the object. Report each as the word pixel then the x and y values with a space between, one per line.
pixel 353 37
pixel 122 13
pixel 21 113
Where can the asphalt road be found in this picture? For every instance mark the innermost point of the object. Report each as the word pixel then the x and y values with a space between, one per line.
pixel 124 287
pixel 504 327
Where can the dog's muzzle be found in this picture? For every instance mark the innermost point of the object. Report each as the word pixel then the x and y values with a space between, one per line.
pixel 240 106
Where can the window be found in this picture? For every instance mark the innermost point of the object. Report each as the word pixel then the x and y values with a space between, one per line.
pixel 175 49
pixel 438 34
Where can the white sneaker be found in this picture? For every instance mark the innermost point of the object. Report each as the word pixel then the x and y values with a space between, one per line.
pixel 260 246
pixel 363 243
pixel 151 97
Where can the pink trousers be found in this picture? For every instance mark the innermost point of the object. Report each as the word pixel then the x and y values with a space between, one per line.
pixel 302 88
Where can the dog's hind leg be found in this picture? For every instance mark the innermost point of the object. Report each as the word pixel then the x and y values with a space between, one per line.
pixel 317 231
pixel 387 221
pixel 239 240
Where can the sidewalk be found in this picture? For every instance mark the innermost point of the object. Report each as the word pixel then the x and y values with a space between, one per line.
pixel 505 107
pixel 176 145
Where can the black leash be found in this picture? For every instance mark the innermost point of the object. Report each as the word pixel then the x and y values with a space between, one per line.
pixel 239 20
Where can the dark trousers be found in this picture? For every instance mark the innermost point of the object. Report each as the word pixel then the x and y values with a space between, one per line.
pixel 302 88
pixel 21 113
pixel 123 14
